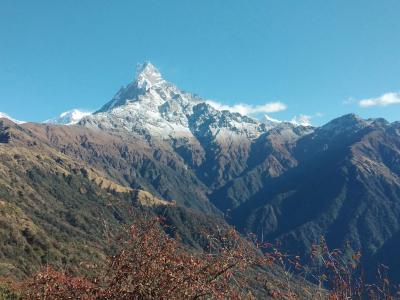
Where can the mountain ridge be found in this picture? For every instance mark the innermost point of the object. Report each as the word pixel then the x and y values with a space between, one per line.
pixel 280 181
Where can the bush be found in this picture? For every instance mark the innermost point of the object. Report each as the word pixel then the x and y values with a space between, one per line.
pixel 152 265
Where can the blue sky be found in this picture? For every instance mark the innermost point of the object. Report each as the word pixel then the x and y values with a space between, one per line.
pixel 319 58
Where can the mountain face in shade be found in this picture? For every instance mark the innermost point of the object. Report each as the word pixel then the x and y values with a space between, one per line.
pixel 344 184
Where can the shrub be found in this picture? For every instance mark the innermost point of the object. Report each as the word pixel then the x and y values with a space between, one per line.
pixel 152 265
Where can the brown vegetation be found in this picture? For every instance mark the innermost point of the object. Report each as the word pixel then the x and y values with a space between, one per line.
pixel 152 265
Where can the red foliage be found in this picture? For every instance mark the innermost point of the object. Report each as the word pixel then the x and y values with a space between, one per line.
pixel 50 284
pixel 152 265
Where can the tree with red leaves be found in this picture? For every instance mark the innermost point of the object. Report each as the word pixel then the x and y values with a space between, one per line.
pixel 152 265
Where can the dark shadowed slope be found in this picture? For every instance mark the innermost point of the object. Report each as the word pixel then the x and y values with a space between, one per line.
pixel 345 186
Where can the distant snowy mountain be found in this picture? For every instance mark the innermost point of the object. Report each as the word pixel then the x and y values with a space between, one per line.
pixel 152 106
pixel 5 116
pixel 70 117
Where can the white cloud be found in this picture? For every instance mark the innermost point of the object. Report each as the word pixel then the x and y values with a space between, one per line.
pixel 270 107
pixel 303 120
pixel 247 109
pixel 384 100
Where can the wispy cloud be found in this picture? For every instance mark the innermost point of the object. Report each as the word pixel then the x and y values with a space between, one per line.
pixel 248 109
pixel 304 120
pixel 384 100
pixel 269 107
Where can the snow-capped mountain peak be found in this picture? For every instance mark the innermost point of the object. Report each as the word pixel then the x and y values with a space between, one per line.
pixel 147 76
pixel 69 117
pixel 148 85
pixel 153 107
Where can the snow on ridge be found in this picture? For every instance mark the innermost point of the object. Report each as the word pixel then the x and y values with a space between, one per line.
pixel 5 116
pixel 268 119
